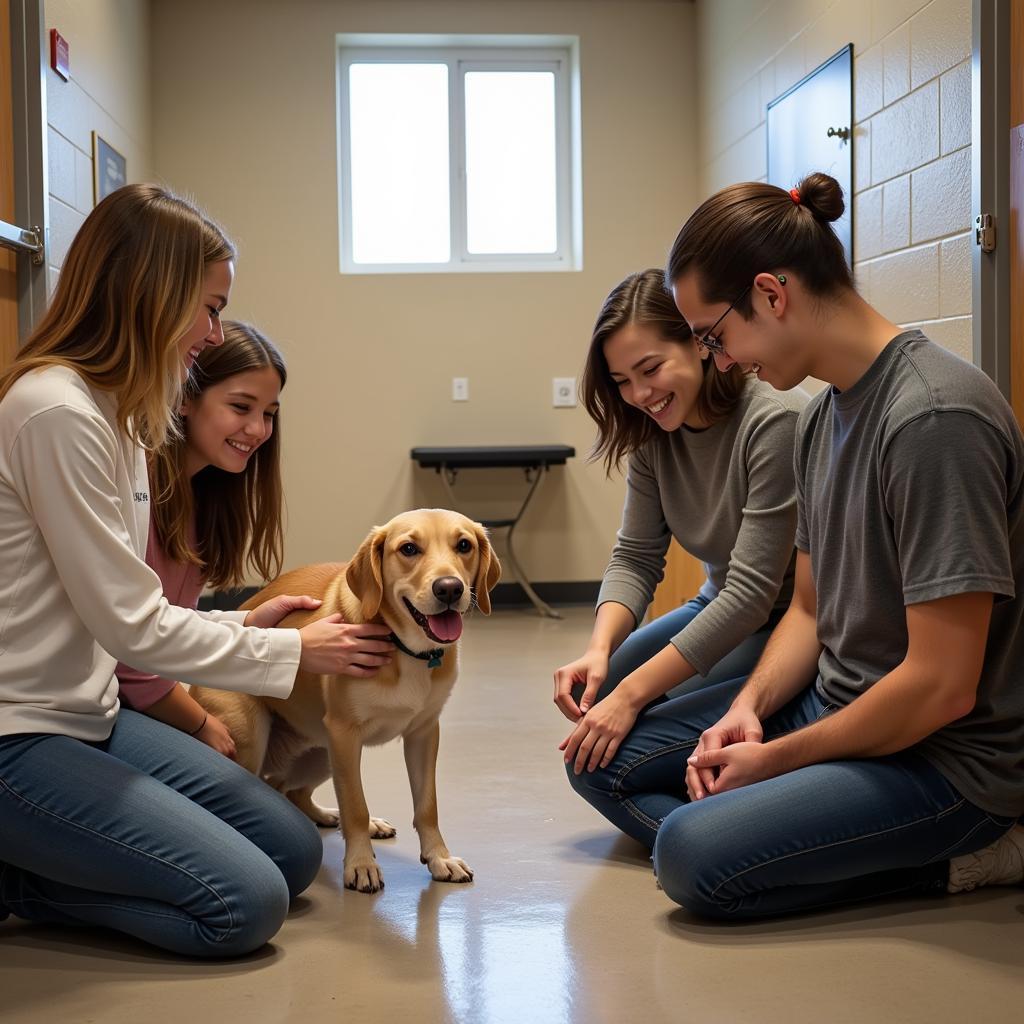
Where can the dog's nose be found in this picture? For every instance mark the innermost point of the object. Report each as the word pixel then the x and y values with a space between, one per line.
pixel 448 589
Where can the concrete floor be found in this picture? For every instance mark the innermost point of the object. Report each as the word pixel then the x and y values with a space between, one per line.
pixel 562 924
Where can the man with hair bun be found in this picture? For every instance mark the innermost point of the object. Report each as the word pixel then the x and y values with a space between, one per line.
pixel 877 749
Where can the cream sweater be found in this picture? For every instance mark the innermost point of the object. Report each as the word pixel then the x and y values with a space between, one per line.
pixel 76 595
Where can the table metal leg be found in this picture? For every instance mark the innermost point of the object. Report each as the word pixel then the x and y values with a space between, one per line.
pixel 447 476
pixel 542 606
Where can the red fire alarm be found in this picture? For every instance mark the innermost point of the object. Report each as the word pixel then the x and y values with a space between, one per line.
pixel 60 54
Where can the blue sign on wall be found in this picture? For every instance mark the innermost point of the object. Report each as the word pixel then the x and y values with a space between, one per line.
pixel 109 168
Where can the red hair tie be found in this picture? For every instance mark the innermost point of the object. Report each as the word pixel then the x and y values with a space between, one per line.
pixel 794 194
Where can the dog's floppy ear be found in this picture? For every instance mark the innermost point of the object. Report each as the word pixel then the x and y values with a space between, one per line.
pixel 365 573
pixel 488 571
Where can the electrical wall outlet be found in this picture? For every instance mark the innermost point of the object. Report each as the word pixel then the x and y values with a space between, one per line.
pixel 563 392
pixel 460 389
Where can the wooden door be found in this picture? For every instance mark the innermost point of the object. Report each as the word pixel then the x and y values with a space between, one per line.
pixel 1016 234
pixel 8 259
pixel 684 576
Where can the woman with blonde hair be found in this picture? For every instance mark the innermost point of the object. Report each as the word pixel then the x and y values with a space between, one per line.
pixel 710 462
pixel 107 817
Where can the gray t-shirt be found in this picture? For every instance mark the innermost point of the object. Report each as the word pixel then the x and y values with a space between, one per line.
pixel 910 490
pixel 728 497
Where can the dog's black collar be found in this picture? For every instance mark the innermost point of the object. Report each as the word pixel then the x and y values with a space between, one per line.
pixel 432 658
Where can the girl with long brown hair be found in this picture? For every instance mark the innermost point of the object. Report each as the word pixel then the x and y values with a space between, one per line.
pixel 710 462
pixel 217 506
pixel 108 817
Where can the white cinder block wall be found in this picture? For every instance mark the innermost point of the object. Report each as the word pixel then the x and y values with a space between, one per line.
pixel 912 143
pixel 109 92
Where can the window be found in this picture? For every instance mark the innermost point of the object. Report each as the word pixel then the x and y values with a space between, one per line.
pixel 458 154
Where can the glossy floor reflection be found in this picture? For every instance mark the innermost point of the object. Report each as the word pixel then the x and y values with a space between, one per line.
pixel 562 924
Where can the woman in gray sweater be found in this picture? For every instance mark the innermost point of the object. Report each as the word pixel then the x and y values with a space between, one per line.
pixel 710 462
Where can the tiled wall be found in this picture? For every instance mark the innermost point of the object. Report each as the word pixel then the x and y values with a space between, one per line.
pixel 912 143
pixel 109 92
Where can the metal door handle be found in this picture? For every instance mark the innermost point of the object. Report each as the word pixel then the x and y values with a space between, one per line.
pixel 23 240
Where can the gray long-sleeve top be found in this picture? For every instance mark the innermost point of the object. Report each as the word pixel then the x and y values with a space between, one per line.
pixel 728 496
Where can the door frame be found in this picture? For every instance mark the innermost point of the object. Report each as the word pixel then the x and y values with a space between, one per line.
pixel 990 187
pixel 28 96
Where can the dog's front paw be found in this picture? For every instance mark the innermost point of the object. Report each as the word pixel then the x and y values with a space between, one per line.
pixel 363 874
pixel 381 829
pixel 449 869
pixel 325 817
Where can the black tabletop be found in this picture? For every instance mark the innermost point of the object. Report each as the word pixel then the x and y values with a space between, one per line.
pixel 493 456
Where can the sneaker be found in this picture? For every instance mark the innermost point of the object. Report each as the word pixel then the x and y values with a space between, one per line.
pixel 1002 863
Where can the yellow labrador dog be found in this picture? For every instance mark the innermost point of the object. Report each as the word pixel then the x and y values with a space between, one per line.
pixel 417 574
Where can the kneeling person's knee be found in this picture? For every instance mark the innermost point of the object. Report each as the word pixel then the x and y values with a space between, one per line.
pixel 588 785
pixel 259 909
pixel 299 854
pixel 685 860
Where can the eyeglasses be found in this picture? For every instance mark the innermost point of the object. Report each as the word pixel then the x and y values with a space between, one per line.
pixel 709 340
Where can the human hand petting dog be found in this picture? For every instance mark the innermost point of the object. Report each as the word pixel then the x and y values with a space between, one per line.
pixel 330 646
pixel 706 772
pixel 270 613
pixel 215 734
pixel 333 647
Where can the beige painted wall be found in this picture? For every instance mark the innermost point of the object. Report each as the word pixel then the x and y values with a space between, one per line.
pixel 912 151
pixel 244 118
pixel 109 92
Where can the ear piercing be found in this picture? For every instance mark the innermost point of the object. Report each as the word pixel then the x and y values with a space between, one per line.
pixel 782 278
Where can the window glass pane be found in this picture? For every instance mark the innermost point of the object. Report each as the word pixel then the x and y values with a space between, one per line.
pixel 399 152
pixel 511 177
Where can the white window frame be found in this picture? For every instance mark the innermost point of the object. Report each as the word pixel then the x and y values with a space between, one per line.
pixel 462 54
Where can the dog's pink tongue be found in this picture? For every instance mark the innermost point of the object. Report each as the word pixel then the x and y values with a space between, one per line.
pixel 447 626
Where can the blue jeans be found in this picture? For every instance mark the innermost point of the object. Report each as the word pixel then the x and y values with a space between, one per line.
pixel 823 835
pixel 151 833
pixel 644 643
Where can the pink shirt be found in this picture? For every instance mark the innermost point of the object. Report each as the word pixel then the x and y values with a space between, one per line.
pixel 182 583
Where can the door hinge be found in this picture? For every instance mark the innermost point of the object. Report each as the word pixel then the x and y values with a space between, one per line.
pixel 985 232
